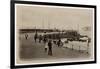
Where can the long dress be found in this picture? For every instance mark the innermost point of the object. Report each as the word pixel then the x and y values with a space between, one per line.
pixel 50 48
pixel 46 47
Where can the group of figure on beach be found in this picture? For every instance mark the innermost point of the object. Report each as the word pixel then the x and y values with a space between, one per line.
pixel 47 42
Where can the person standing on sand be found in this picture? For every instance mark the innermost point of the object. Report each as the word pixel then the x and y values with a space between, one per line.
pixel 50 48
pixel 40 38
pixel 44 38
pixel 46 46
pixel 35 36
pixel 26 36
pixel 59 43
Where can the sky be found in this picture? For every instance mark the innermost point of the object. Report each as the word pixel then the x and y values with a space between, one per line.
pixel 68 18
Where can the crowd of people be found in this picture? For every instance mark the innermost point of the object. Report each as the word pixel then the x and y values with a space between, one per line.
pixel 46 41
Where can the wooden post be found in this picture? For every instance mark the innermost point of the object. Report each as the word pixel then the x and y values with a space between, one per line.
pixel 72 47
pixel 79 48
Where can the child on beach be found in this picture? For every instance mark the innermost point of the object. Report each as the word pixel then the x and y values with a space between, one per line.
pixel 46 46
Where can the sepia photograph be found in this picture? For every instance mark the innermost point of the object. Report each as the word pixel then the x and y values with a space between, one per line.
pixel 50 34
